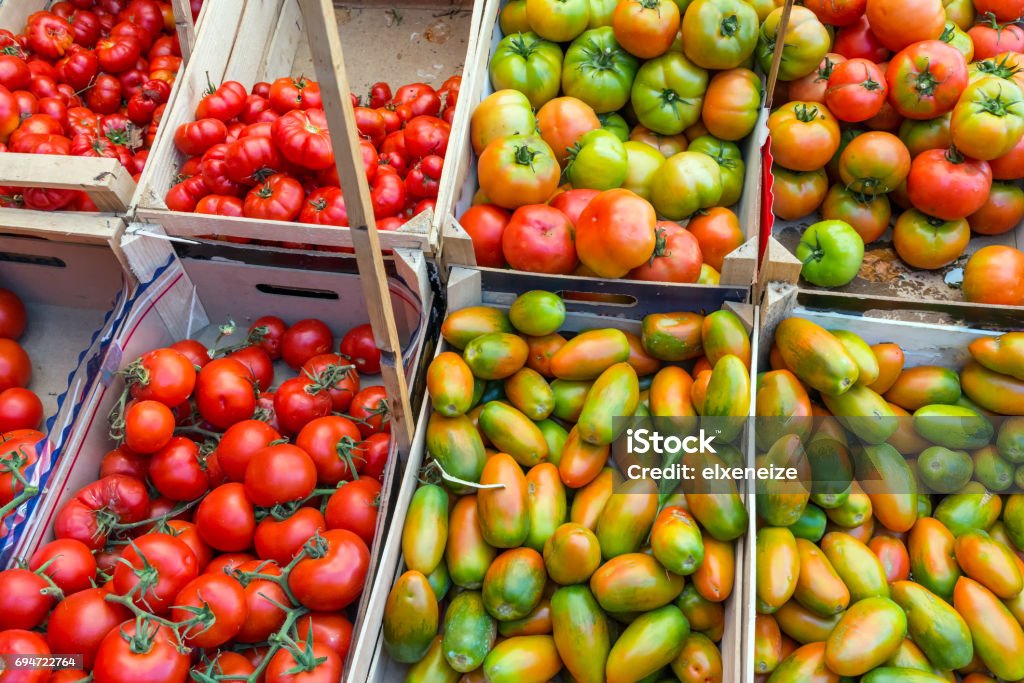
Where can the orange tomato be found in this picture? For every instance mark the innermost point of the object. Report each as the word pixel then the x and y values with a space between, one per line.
pixel 995 275
pixel 804 135
pixel 615 233
pixel 562 121
pixel 731 104
pixel 646 28
pixel 718 233
pixel 797 194
pixel 899 23
pixel 1002 211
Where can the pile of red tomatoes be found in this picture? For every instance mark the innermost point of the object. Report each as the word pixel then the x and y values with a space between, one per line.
pixel 86 78
pixel 912 115
pixel 228 530
pixel 267 154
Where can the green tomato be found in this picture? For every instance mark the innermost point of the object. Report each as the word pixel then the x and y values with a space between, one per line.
pixel 831 252
pixel 558 20
pixel 668 93
pixel 616 124
pixel 730 163
pixel 719 34
pixel 686 183
pixel 529 64
pixel 598 71
pixel 807 43
pixel 708 275
pixel 597 161
pixel 601 12
pixel 644 162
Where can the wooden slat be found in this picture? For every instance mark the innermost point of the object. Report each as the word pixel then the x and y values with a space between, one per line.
pixel 185 28
pixel 780 44
pixel 325 43
pixel 85 228
pixel 740 266
pixel 106 181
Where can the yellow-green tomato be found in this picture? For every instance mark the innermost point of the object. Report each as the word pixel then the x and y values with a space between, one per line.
pixel 643 161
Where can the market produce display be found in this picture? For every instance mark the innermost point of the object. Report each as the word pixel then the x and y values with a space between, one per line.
pixel 902 116
pixel 898 557
pixel 21 411
pixel 86 78
pixel 640 106
pixel 267 153
pixel 228 530
pixel 529 555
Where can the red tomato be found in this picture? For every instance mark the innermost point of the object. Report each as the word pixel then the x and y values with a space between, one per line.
pixel 572 202
pixel 1010 166
pixel 178 471
pixel 323 666
pixel 14 642
pixel 149 426
pixel 163 375
pixel 196 353
pixel 219 205
pixel 268 331
pixel 287 94
pixel 104 97
pixel 485 224
pixel 252 158
pixel 946 185
pixel 230 664
pixel 48 35
pixel 303 139
pixel 676 257
pixel 188 533
pixel 325 206
pixel 927 79
pixel 225 519
pixel 370 410
pixel 354 507
pixel 858 40
pixel 370 125
pixel 80 621
pixel 303 340
pixel 332 442
pixel 25 600
pixel 359 346
pixel 240 442
pixel 426 135
pixel 373 455
pixel 332 574
pixel 224 393
pixel 424 178
pixel 539 239
pixel 1002 212
pixel 225 102
pixel 14 72
pixel 261 368
pixel 262 597
pixel 224 602
pixel 118 54
pixel 19 409
pixel 12 315
pixel 281 540
pixel 856 90
pixel 133 653
pixel 185 196
pixel 387 193
pixel 332 630
pixel 214 169
pixel 992 38
pixel 279 198
pixel 154 569
pixel 195 137
pixel 280 473
pixel 69 564
pixel 298 401
pixel 123 460
pixel 837 12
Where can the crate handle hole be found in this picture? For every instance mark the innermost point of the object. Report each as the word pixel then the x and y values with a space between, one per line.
pixel 299 292
pixel 32 259
pixel 598 298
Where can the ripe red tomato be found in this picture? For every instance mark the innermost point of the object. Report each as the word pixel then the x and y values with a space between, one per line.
pixel 323 667
pixel 280 540
pixel 195 137
pixel 16 642
pixel 125 498
pixel 676 257
pixel 160 565
pixel 219 205
pixel 424 178
pixel 287 94
pixel 485 224
pixel 185 196
pixel 858 40
pixel 263 598
pixel 338 375
pixel 303 139
pixel 225 519
pixel 303 340
pixel 354 506
pixel 225 102
pixel 373 454
pixel 269 329
pixel 299 401
pixel 1002 212
pixel 261 368
pixel 163 375
pixel 118 54
pixel 370 410
pixel 12 315
pixel 359 346
pixel 19 409
pixel 279 198
pixel 105 95
pixel 149 426
pixel 992 38
pixel 252 158
pixel 225 600
pixel 426 135
pixel 128 654
pixel 927 79
pixel 387 194
pixel 69 564
pixel 539 239
pixel 332 575
pixel 80 621
pixel 230 664
pixel 856 91
pixel 14 72
pixel 332 630
pixel 370 125
pixel 188 533
pixel 947 185
pixel 195 351
pixel 25 600
pixel 279 473
pixel 178 471
pixel 332 442
pixel 837 12
pixel 325 206
pixel 214 169
pixel 240 442
pixel 48 35
pixel 225 393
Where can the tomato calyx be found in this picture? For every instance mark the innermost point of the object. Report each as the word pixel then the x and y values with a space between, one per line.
pixel 954 156
pixel 1003 68
pixel 521 48
pixel 12 463
pixel 660 245
pixel 825 70
pixel 596 58
pixel 524 155
pixel 305 659
pixel 729 26
pixel 925 82
pixel 141 642
pixel 994 105
pixel 806 113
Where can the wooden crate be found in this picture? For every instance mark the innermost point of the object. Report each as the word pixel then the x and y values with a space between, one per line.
pixel 739 267
pixel 473 286
pixel 415 41
pixel 74 295
pixel 189 295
